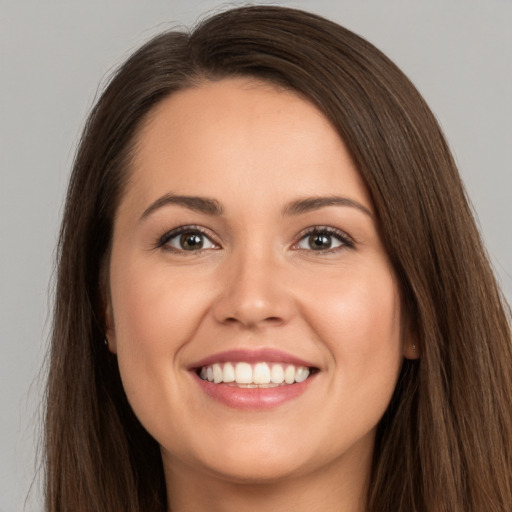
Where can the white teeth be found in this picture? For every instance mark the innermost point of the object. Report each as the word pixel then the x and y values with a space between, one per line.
pixel 229 373
pixel 277 374
pixel 217 373
pixel 260 375
pixel 243 373
pixel 289 374
pixel 301 374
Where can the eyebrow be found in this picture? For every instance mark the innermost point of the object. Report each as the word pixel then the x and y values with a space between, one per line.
pixel 309 204
pixel 195 203
pixel 213 207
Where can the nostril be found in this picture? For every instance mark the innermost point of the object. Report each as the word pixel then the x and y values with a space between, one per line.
pixel 273 319
pixel 249 322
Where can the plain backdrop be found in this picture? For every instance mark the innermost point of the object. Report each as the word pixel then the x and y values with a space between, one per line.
pixel 55 54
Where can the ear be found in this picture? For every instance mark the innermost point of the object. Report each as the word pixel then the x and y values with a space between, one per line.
pixel 411 349
pixel 110 330
pixel 107 310
pixel 410 339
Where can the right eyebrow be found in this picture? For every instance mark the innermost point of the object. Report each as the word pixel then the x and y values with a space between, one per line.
pixel 195 203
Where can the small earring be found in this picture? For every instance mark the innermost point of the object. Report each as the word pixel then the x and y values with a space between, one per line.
pixel 414 348
pixel 105 341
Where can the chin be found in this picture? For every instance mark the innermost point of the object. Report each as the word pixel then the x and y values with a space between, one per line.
pixel 258 470
pixel 254 459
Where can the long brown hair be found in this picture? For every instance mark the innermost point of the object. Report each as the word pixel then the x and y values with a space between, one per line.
pixel 445 443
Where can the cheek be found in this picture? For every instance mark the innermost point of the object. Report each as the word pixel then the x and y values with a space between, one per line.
pixel 359 320
pixel 155 314
pixel 154 309
pixel 363 333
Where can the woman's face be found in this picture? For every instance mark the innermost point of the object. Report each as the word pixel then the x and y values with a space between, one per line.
pixel 246 247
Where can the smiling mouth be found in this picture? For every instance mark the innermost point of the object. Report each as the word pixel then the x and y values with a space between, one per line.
pixel 258 375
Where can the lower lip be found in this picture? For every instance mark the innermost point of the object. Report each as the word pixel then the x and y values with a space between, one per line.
pixel 253 398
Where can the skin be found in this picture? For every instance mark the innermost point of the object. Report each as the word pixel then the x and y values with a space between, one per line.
pixel 257 283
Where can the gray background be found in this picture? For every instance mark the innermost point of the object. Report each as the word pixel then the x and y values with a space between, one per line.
pixel 53 55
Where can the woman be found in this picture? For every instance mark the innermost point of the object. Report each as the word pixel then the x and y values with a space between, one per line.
pixel 271 291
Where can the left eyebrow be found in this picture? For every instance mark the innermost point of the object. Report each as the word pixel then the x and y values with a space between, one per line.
pixel 195 203
pixel 309 204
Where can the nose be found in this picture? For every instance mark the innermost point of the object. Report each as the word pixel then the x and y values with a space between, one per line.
pixel 253 293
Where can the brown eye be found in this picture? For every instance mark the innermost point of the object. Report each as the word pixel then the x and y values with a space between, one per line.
pixel 324 239
pixel 189 240
pixel 320 241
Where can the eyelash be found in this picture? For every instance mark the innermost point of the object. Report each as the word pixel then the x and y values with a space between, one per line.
pixel 346 241
pixel 188 229
pixel 341 236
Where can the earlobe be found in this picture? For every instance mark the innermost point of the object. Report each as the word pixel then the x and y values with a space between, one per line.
pixel 108 318
pixel 110 342
pixel 110 332
pixel 410 341
pixel 107 310
pixel 411 350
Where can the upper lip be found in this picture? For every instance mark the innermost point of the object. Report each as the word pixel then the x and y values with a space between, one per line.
pixel 267 355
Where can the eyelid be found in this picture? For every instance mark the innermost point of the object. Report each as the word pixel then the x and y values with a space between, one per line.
pixel 186 228
pixel 347 241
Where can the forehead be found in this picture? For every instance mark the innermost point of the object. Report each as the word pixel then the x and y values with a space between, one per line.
pixel 245 134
